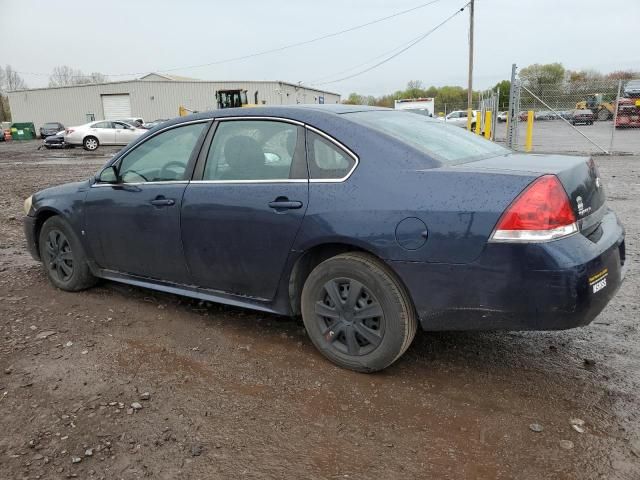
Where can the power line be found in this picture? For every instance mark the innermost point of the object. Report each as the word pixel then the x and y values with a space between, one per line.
pixel 355 67
pixel 404 49
pixel 266 52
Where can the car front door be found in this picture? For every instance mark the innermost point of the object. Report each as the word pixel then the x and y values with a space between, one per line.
pixel 104 132
pixel 132 216
pixel 243 210
pixel 124 133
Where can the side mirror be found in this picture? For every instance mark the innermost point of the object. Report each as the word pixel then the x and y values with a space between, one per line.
pixel 109 175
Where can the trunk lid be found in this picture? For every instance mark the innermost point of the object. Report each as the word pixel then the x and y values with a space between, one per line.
pixel 579 177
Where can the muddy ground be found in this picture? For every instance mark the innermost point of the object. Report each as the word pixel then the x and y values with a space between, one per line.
pixel 238 394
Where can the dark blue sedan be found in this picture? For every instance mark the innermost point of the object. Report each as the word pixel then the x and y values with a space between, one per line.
pixel 365 221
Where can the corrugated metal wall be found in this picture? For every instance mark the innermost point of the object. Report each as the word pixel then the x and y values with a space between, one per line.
pixel 149 99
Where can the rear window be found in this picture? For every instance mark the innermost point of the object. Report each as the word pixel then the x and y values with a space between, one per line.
pixel 448 144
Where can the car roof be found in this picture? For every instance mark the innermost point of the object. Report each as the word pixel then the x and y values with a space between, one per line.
pixel 302 113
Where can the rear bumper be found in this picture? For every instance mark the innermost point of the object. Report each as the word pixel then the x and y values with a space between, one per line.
pixel 546 286
pixel 30 236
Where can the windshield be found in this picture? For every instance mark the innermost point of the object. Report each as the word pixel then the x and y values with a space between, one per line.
pixel 450 145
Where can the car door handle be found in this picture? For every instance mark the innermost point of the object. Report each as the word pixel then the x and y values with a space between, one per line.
pixel 163 202
pixel 285 204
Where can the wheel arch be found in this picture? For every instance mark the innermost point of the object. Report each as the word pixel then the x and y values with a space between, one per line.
pixel 317 254
pixel 42 216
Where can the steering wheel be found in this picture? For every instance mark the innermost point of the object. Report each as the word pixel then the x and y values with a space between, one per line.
pixel 135 173
pixel 167 167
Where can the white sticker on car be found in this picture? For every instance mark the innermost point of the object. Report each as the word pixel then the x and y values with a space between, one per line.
pixel 599 281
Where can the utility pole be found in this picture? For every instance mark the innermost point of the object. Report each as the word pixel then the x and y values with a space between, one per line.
pixel 470 85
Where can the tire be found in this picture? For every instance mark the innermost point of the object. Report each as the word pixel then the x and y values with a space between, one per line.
pixel 63 257
pixel 473 127
pixel 364 342
pixel 90 143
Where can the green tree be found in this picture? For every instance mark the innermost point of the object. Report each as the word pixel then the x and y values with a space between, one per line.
pixel 505 92
pixel 538 77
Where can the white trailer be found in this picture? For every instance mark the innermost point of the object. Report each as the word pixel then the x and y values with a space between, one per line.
pixel 423 106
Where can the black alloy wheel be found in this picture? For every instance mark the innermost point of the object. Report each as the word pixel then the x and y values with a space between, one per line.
pixel 59 259
pixel 350 317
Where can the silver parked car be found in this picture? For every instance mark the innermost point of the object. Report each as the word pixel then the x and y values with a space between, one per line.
pixel 103 132
pixel 459 118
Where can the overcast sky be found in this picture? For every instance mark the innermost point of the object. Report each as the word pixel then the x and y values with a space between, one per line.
pixel 126 36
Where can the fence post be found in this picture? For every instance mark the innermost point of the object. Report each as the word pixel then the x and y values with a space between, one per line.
pixel 529 141
pixel 615 116
pixel 487 125
pixel 511 116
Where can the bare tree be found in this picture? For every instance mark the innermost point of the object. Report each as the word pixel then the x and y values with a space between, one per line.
pixel 3 79
pixel 13 81
pixel 64 75
pixel 97 77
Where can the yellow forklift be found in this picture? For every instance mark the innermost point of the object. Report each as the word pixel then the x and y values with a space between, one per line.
pixel 226 99
pixel 603 110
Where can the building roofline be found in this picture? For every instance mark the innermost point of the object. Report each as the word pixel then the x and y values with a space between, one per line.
pixel 137 80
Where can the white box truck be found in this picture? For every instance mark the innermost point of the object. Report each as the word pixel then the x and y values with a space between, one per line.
pixel 422 106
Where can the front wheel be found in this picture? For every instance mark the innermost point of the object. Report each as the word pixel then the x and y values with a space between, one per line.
pixel 63 257
pixel 90 143
pixel 357 313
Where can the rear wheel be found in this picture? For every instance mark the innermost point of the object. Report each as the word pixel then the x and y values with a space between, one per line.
pixel 357 313
pixel 90 143
pixel 63 257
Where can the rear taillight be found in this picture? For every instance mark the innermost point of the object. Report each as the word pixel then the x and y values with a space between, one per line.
pixel 540 213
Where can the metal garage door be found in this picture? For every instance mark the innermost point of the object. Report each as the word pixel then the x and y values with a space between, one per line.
pixel 116 106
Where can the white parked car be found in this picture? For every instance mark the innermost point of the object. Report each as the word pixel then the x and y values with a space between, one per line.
pixel 459 118
pixel 103 132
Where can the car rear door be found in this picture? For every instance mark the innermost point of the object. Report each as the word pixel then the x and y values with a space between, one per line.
pixel 133 223
pixel 104 132
pixel 243 209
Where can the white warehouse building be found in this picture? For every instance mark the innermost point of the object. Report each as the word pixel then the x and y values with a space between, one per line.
pixel 154 96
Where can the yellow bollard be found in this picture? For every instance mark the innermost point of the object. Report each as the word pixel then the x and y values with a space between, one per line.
pixel 469 117
pixel 529 140
pixel 478 123
pixel 487 124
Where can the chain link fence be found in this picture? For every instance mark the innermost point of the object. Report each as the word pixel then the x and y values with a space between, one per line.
pixel 588 117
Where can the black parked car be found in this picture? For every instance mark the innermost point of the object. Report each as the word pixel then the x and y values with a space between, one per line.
pixel 585 116
pixel 55 141
pixel 50 128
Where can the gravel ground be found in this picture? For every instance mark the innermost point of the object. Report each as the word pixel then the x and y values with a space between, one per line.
pixel 230 393
pixel 559 137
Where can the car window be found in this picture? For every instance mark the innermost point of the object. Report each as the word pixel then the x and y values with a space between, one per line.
pixel 445 143
pixel 121 125
pixel 102 125
pixel 163 157
pixel 326 160
pixel 252 150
